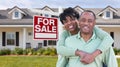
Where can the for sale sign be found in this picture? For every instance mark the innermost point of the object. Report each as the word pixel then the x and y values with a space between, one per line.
pixel 45 28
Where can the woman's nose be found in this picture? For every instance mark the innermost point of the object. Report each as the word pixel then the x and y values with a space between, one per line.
pixel 69 22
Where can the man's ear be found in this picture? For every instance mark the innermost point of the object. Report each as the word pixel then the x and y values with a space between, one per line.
pixel 95 23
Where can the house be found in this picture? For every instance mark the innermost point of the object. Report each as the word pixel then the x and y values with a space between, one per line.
pixel 16 25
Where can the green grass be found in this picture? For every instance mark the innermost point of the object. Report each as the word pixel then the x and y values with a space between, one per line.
pixel 118 62
pixel 29 61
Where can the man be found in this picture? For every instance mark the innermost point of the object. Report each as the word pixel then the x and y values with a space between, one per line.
pixel 87 42
pixel 70 18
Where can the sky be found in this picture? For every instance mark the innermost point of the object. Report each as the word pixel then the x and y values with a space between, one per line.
pixel 4 4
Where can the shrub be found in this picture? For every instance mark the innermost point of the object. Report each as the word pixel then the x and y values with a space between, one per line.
pixel 46 52
pixel 29 51
pixel 53 52
pixel 13 52
pixel 18 51
pixel 25 52
pixel 5 52
pixel 40 51
pixel 50 51
pixel 116 51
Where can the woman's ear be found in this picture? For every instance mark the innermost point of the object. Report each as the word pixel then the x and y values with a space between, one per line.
pixel 63 27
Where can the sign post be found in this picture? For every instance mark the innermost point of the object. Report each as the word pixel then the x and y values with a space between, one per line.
pixel 45 28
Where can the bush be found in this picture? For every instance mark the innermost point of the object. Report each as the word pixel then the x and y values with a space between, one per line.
pixel 46 51
pixel 5 52
pixel 116 51
pixel 13 52
pixel 25 52
pixel 18 51
pixel 50 51
pixel 28 51
pixel 40 51
pixel 53 52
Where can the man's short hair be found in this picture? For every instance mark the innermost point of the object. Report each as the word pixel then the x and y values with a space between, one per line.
pixel 90 12
pixel 68 12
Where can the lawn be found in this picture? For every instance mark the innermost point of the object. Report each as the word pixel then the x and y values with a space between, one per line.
pixel 29 61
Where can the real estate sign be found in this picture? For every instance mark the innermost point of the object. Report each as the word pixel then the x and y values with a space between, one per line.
pixel 45 28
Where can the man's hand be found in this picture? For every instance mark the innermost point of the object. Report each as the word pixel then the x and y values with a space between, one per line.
pixel 87 58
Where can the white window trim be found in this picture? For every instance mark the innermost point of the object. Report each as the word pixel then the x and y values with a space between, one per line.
pixel 105 15
pixel 19 15
pixel 14 38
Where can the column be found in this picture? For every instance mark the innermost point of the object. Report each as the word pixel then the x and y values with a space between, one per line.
pixel 24 38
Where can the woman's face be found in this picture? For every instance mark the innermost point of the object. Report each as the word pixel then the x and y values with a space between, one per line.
pixel 70 24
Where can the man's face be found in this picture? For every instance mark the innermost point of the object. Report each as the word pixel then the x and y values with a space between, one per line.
pixel 87 22
pixel 70 24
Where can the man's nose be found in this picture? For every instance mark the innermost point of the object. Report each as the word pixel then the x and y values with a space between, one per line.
pixel 86 22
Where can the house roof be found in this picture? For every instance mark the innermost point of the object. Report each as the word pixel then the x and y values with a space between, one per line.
pixel 47 8
pixel 16 8
pixel 108 7
pixel 78 7
pixel 28 18
pixel 16 22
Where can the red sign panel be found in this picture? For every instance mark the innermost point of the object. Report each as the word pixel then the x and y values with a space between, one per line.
pixel 45 28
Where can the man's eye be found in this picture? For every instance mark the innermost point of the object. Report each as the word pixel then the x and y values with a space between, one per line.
pixel 83 20
pixel 90 21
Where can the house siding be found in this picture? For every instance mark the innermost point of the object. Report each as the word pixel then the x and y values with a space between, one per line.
pixel 116 35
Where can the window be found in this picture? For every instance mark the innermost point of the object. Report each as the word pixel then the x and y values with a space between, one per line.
pixel 112 35
pixel 29 33
pixel 10 38
pixel 52 42
pixel 108 14
pixel 40 14
pixel 28 45
pixel 46 15
pixel 54 16
pixel 45 42
pixel 16 14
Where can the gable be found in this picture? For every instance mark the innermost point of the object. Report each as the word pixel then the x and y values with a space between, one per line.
pixel 79 9
pixel 16 13
pixel 46 8
pixel 108 8
pixel 107 13
pixel 16 9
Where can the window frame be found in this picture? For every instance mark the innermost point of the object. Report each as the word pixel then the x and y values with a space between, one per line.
pixel 108 14
pixel 52 42
pixel 16 14
pixel 13 35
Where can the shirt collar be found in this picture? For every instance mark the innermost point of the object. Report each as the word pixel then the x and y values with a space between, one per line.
pixel 93 36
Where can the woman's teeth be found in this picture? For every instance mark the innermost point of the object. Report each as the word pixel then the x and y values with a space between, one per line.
pixel 71 26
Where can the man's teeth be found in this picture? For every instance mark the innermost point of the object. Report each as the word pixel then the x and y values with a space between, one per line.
pixel 86 27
